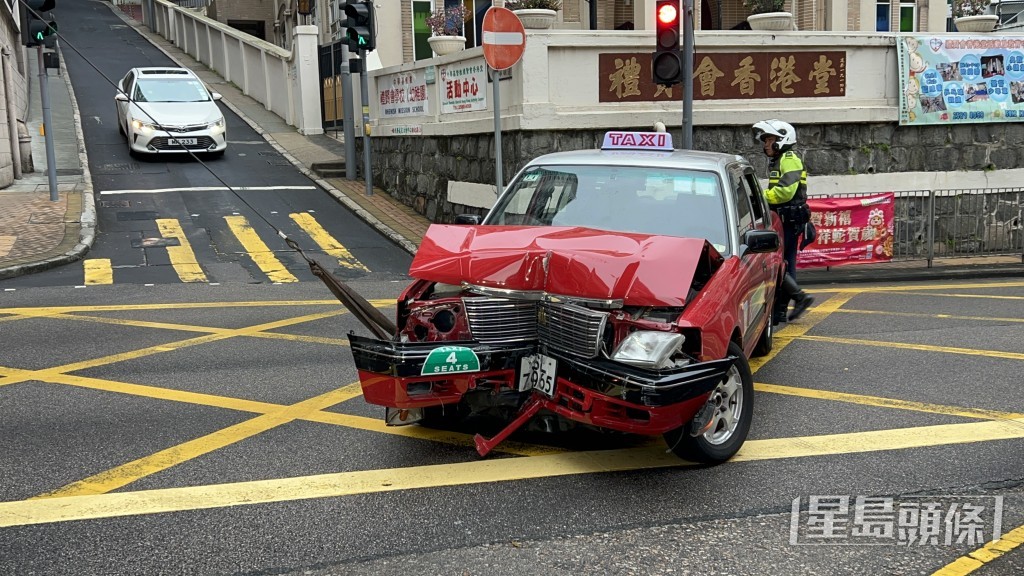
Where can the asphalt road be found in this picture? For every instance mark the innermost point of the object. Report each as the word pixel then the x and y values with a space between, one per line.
pixel 215 430
pixel 149 207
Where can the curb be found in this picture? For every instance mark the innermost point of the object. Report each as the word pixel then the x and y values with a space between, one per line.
pixel 87 219
pixel 337 194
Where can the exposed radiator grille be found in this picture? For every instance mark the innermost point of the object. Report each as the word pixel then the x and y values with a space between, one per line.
pixel 572 329
pixel 500 320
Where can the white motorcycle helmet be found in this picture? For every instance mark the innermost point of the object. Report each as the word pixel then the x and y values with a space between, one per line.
pixel 785 134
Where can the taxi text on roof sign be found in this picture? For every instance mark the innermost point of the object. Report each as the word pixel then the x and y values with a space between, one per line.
pixel 661 141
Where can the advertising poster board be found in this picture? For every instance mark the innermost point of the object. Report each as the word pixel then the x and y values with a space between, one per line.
pixel 857 230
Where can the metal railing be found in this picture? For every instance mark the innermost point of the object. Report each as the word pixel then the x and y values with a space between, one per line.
pixel 958 223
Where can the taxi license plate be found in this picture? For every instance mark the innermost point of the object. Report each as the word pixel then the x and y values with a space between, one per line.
pixel 537 372
pixel 183 141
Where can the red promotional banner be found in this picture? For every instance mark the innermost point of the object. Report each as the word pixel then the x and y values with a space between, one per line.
pixel 855 230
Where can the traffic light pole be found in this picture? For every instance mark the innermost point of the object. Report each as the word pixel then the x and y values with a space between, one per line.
pixel 348 116
pixel 44 91
pixel 687 142
pixel 365 92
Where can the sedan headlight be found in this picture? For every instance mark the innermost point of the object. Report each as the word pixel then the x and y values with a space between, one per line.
pixel 143 127
pixel 217 127
pixel 649 349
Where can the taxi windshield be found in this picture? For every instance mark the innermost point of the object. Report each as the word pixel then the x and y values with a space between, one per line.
pixel 663 201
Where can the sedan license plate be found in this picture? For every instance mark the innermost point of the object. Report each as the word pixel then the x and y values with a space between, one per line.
pixel 537 371
pixel 183 141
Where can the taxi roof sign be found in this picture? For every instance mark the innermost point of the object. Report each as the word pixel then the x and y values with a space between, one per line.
pixel 652 141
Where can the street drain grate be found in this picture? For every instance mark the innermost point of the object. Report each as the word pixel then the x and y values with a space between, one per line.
pixel 278 162
pixel 115 204
pixel 117 168
pixel 137 215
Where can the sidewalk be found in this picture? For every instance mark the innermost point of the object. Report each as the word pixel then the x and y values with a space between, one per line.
pixel 36 234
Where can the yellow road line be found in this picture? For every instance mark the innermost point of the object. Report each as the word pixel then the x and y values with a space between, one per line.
pixel 793 331
pixel 989 296
pixel 47 373
pixel 193 328
pixel 883 402
pixel 183 259
pixel 921 347
pixel 327 242
pixel 918 287
pixel 922 315
pixel 987 553
pixel 48 310
pixel 27 512
pixel 127 473
pixel 260 253
pixel 98 271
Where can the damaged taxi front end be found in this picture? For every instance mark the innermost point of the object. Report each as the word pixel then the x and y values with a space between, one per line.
pixel 610 290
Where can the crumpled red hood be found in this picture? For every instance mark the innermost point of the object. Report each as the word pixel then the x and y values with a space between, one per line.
pixel 640 269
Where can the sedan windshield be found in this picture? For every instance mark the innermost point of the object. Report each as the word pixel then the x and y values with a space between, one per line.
pixel 663 201
pixel 170 90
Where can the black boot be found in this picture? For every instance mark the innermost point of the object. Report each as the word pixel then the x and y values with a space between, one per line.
pixel 801 300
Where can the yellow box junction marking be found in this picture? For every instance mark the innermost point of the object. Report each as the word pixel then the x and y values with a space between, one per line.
pixel 327 242
pixel 98 271
pixel 183 259
pixel 1002 320
pixel 511 469
pixel 260 253
pixel 26 512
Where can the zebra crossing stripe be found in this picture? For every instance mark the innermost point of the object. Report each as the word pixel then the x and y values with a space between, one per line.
pixel 183 259
pixel 327 242
pixel 98 271
pixel 260 253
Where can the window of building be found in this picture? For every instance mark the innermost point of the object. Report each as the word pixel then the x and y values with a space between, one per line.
pixel 882 11
pixel 908 16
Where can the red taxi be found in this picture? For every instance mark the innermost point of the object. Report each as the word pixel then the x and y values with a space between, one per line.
pixel 622 288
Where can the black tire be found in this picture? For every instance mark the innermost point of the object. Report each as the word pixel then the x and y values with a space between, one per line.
pixel 213 155
pixel 120 128
pixel 722 441
pixel 764 341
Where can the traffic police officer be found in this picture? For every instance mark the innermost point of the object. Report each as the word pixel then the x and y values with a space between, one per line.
pixel 787 197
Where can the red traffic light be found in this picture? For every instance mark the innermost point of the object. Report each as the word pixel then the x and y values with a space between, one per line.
pixel 668 14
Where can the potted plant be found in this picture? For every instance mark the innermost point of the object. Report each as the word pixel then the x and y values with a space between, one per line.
pixel 768 15
pixel 970 16
pixel 446 26
pixel 537 14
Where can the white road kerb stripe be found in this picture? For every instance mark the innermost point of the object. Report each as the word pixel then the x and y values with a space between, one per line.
pixel 504 38
pixel 205 189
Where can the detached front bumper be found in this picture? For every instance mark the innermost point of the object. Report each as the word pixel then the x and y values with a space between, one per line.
pixel 597 392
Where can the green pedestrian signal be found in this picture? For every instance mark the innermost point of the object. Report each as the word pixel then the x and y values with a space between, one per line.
pixel 38 26
pixel 362 27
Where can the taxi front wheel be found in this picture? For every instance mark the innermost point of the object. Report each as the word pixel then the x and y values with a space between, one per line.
pixel 731 407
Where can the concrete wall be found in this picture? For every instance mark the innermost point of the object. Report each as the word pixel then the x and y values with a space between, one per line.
pixel 552 102
pixel 10 39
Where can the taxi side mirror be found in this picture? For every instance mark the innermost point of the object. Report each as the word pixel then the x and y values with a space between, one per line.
pixel 121 97
pixel 759 242
pixel 472 219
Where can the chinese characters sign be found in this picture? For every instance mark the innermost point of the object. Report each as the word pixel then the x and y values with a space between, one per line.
pixel 463 87
pixel 850 231
pixel 403 94
pixel 723 76
pixel 953 79
pixel 914 521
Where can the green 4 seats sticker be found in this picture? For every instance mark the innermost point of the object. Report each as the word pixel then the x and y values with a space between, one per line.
pixel 451 360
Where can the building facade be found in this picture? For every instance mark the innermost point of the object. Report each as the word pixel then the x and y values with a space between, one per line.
pixel 14 92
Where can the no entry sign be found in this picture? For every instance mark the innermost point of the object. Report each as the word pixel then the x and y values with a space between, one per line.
pixel 504 38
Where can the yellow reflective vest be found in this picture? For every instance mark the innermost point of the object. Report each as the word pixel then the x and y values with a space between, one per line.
pixel 787 180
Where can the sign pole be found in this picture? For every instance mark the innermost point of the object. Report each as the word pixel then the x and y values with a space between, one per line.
pixel 348 116
pixel 499 178
pixel 687 143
